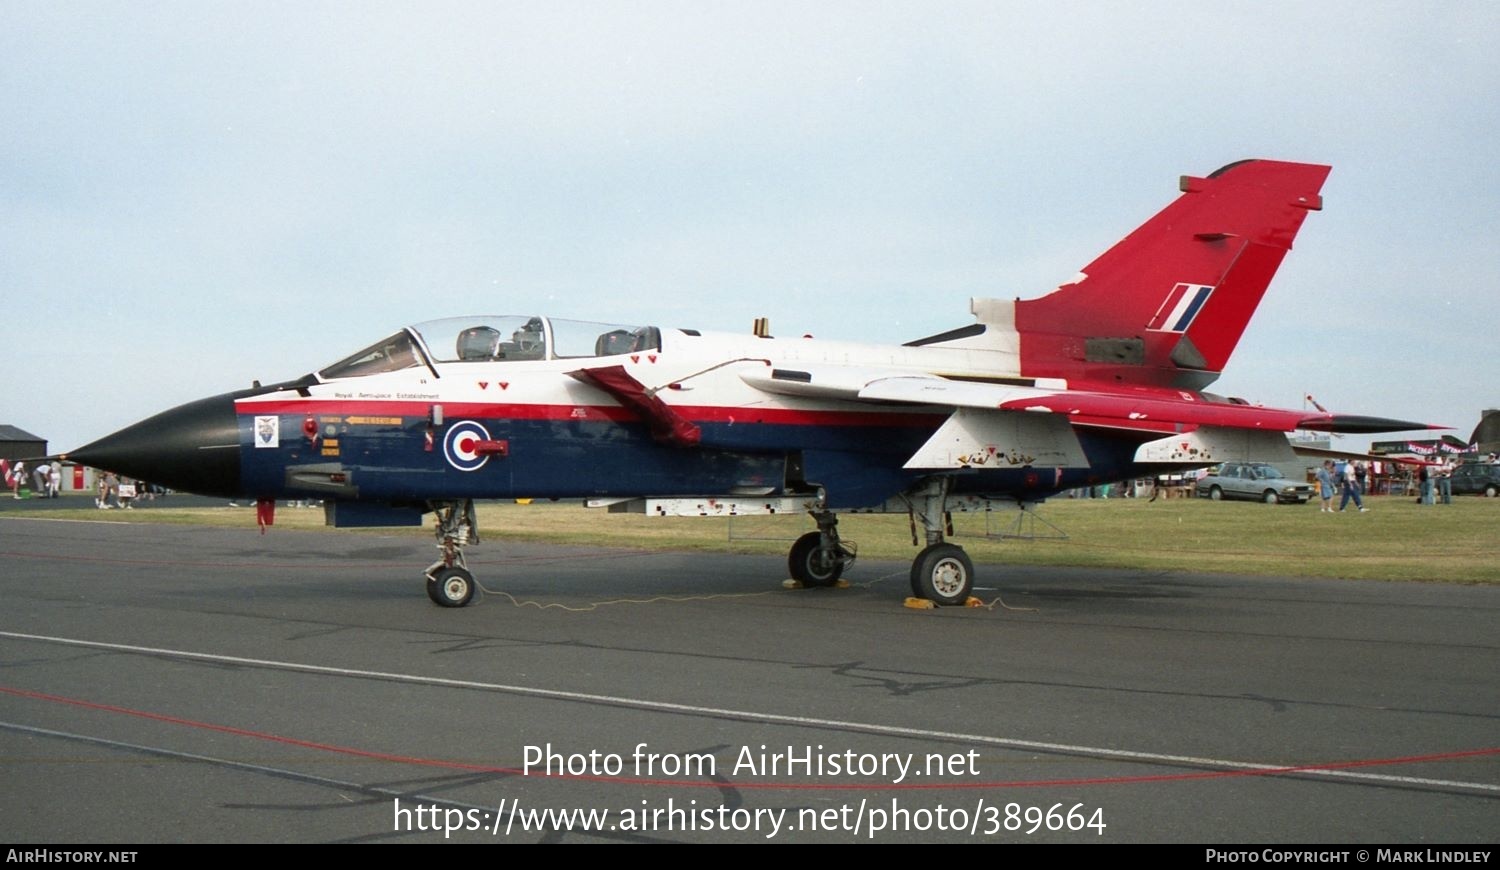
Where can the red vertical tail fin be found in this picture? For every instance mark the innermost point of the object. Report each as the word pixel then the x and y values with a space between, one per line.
pixel 1166 305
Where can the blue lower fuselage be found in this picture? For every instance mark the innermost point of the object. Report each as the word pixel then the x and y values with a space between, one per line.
pixel 344 452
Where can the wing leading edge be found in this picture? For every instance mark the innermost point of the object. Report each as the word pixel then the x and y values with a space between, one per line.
pixel 1139 408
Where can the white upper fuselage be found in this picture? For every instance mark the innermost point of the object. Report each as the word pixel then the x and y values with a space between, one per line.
pixel 687 369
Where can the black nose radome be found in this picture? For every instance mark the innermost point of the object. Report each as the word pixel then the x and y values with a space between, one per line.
pixel 192 448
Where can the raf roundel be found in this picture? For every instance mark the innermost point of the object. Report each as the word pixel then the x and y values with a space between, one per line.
pixel 459 444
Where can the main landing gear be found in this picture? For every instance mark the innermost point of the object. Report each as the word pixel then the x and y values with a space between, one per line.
pixel 819 558
pixel 942 572
pixel 449 583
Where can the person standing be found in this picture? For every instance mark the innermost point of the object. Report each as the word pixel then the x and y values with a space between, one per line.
pixel 1424 484
pixel 54 480
pixel 1325 486
pixel 1445 482
pixel 1351 489
pixel 17 477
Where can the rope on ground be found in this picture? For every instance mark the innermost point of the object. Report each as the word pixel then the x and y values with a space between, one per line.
pixel 595 605
pixel 999 602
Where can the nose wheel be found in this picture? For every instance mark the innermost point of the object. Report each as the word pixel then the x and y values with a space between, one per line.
pixel 449 582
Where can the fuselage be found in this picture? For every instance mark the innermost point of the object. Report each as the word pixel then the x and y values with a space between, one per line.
pixel 493 407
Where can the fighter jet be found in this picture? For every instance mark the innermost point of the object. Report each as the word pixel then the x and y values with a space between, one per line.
pixel 1100 380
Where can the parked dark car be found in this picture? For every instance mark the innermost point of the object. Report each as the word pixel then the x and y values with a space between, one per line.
pixel 1477 477
pixel 1254 480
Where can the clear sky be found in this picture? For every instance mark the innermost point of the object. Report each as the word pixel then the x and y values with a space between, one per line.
pixel 194 195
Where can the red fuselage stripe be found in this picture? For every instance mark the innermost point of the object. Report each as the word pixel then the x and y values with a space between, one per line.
pixel 521 411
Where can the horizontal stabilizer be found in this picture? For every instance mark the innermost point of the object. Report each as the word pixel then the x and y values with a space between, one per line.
pixel 1146 409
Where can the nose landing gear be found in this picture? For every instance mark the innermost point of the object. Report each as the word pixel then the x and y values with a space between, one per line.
pixel 449 582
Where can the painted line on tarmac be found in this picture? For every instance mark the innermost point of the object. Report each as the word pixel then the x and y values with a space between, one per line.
pixel 1334 771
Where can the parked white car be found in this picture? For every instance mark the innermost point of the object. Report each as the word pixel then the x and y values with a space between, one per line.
pixel 1253 480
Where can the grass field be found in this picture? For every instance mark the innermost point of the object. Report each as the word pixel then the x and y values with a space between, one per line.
pixel 1396 540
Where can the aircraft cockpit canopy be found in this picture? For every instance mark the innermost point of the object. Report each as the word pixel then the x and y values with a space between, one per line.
pixel 494 339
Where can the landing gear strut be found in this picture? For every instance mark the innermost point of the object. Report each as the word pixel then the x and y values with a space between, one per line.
pixel 819 558
pixel 449 583
pixel 942 572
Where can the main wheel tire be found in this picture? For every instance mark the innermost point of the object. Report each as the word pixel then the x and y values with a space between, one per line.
pixel 810 565
pixel 942 573
pixel 1215 493
pixel 451 587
